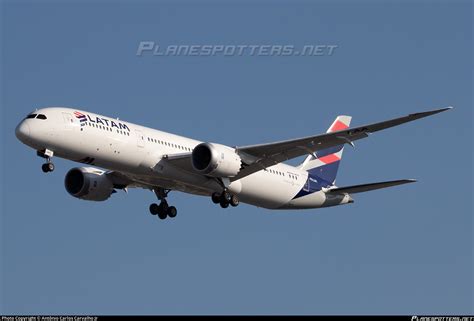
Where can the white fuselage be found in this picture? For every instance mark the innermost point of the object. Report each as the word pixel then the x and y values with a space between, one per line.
pixel 138 151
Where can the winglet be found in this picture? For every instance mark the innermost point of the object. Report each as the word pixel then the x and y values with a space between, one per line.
pixel 432 112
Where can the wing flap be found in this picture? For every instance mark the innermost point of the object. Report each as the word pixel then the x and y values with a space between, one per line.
pixel 369 187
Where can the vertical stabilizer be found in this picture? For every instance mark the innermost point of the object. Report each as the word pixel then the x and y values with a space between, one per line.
pixel 326 164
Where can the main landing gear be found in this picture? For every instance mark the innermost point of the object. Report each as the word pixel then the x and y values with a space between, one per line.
pixel 225 199
pixel 48 155
pixel 163 210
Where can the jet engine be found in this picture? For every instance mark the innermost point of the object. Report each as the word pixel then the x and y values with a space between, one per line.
pixel 88 183
pixel 216 160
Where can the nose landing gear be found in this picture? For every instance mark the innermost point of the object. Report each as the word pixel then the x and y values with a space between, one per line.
pixel 47 167
pixel 48 155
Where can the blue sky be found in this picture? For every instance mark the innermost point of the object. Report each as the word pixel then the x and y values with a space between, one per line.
pixel 405 250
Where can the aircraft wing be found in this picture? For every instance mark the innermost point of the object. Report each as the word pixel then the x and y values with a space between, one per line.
pixel 369 187
pixel 258 157
pixel 122 181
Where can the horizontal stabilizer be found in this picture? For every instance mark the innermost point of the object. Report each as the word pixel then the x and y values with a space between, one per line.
pixel 369 187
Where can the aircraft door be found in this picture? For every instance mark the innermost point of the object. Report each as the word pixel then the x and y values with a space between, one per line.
pixel 140 138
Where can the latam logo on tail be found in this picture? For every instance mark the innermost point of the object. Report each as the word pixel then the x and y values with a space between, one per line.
pixel 100 120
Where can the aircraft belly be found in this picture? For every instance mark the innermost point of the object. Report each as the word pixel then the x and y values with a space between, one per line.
pixel 317 200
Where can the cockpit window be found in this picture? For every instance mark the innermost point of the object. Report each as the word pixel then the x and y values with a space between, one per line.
pixel 37 116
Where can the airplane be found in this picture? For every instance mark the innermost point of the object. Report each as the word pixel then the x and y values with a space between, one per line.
pixel 121 155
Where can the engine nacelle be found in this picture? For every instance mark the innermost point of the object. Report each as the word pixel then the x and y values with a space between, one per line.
pixel 216 160
pixel 88 183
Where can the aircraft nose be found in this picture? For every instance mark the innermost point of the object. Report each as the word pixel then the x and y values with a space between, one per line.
pixel 22 131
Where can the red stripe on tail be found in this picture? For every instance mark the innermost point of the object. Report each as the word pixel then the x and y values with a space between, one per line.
pixel 331 158
pixel 338 126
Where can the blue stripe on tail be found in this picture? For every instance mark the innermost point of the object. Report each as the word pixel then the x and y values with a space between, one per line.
pixel 327 172
pixel 313 184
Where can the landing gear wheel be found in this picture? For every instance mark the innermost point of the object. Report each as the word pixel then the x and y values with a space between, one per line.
pixel 162 215
pixel 226 196
pixel 224 204
pixel 163 209
pixel 154 209
pixel 172 211
pixel 216 198
pixel 48 167
pixel 234 201
pixel 164 206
